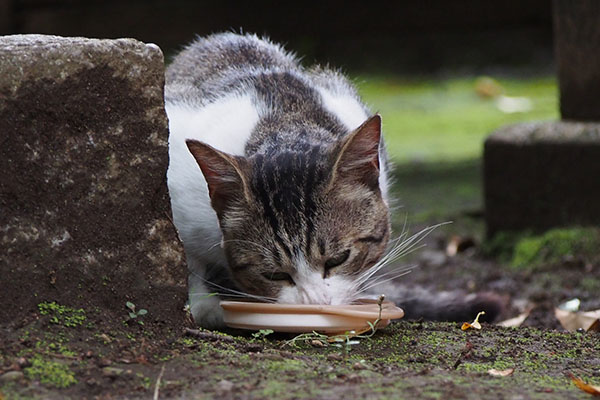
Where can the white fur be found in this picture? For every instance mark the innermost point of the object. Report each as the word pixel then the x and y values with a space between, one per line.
pixel 226 125
pixel 312 288
pixel 352 114
pixel 345 107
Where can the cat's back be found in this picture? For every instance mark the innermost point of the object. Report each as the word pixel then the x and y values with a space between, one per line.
pixel 209 67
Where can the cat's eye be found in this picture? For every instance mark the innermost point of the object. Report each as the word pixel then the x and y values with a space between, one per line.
pixel 335 261
pixel 279 276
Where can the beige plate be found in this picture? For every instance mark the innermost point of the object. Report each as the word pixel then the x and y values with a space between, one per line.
pixel 301 318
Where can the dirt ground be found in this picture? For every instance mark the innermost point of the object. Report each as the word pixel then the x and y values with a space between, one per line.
pixel 58 352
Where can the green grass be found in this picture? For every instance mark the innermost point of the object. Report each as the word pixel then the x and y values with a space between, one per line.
pixel 435 130
pixel 445 119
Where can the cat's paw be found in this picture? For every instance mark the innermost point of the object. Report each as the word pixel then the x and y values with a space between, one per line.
pixel 207 312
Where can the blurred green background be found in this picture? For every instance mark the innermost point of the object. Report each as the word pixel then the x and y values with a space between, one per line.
pixel 435 129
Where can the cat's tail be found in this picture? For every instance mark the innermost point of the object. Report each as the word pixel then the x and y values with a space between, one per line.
pixel 422 303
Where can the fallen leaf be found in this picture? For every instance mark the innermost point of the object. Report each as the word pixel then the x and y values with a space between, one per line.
pixel 475 324
pixel 591 389
pixel 514 322
pixel 571 321
pixel 458 244
pixel 487 87
pixel 504 372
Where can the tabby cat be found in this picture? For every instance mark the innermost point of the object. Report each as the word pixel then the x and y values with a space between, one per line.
pixel 278 177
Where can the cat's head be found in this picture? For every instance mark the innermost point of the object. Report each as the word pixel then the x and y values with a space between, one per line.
pixel 301 226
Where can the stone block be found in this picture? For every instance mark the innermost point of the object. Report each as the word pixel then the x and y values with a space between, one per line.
pixel 542 175
pixel 84 209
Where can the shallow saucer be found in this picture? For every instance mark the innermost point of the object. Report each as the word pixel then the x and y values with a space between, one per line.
pixel 300 318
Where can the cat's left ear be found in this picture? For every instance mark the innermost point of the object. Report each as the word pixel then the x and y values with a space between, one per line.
pixel 358 159
pixel 224 175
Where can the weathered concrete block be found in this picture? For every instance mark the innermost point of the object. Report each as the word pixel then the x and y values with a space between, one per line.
pixel 84 210
pixel 541 175
pixel 577 42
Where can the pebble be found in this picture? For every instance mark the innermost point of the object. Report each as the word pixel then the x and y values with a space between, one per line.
pixel 11 376
pixel 224 386
pixel 104 362
pixel 112 372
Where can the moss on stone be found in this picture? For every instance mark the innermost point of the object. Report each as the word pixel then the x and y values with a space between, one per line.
pixel 555 245
pixel 50 373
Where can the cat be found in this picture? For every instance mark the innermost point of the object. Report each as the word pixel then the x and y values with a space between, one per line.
pixel 278 177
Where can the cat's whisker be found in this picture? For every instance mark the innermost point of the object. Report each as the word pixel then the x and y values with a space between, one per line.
pixel 209 294
pixel 237 292
pixel 394 271
pixel 401 249
pixel 389 278
pixel 359 287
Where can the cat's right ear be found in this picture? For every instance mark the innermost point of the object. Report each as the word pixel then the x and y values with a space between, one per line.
pixel 223 173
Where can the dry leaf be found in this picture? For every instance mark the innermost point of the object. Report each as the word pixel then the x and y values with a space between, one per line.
pixel 487 87
pixel 475 324
pixel 504 372
pixel 591 389
pixel 514 322
pixel 571 321
pixel 458 244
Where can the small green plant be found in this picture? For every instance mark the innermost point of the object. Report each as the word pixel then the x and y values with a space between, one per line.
pixel 134 315
pixel 344 340
pixel 262 334
pixel 62 315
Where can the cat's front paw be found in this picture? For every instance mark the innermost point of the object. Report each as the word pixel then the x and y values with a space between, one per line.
pixel 207 312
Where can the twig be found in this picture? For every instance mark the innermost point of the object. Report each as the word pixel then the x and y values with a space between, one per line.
pixel 157 385
pixel 207 335
pixel 463 354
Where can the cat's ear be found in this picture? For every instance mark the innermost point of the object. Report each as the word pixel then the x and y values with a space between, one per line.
pixel 223 173
pixel 358 159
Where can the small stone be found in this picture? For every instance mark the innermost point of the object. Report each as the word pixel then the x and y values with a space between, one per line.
pixel 91 382
pixel 254 348
pixel 317 343
pixel 224 386
pixel 359 366
pixel 104 362
pixel 11 376
pixel 112 372
pixel 433 258
pixel 334 357
pixel 23 362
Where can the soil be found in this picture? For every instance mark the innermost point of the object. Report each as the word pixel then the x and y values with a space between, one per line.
pixel 57 352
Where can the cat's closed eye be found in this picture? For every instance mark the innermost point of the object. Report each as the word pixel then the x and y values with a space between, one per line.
pixel 335 261
pixel 279 276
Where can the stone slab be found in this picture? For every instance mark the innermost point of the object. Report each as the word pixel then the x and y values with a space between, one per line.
pixel 542 175
pixel 84 210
